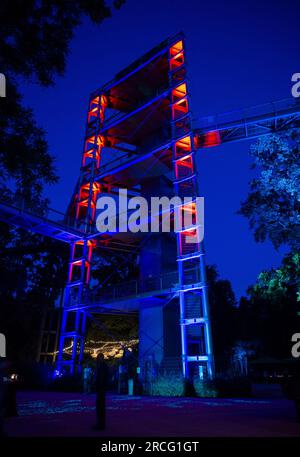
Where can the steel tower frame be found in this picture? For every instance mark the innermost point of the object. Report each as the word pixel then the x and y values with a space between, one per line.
pixel 195 326
pixel 73 324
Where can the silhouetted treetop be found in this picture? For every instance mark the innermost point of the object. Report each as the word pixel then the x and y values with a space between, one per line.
pixel 35 35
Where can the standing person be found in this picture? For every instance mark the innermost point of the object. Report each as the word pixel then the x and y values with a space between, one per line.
pixel 131 367
pixel 101 386
pixel 87 380
pixel 1 396
pixel 123 374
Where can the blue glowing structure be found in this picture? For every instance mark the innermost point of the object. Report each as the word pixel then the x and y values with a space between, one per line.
pixel 143 113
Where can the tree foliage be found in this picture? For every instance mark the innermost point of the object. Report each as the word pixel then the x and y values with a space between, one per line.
pixel 33 274
pixel 222 309
pixel 273 204
pixel 35 38
pixel 35 35
pixel 274 284
pixel 270 314
pixel 34 45
pixel 25 163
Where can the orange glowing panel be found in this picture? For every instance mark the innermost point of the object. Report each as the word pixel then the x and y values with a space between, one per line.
pixel 95 101
pixel 93 108
pixel 183 147
pixel 176 61
pixel 85 160
pixel 89 152
pixel 179 92
pixel 90 252
pixel 85 202
pixel 180 108
pixel 98 101
pixel 176 48
pixel 78 250
pixel 189 214
pixel 103 100
pixel 84 194
pixel 95 186
pixel 92 149
pixel 191 232
pixel 207 140
pixel 184 168
pixel 76 269
pixel 183 158
pixel 190 207
pixel 184 143
pixel 185 161
pixel 189 240
pixel 94 140
pixel 212 139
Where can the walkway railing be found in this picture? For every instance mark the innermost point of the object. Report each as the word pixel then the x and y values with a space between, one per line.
pixel 134 288
pixel 38 218
pixel 244 115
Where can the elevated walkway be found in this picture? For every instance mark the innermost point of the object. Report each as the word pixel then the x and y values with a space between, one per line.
pixel 128 297
pixel 246 123
pixel 47 222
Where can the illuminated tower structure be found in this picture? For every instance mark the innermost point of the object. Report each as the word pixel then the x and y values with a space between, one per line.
pixel 139 137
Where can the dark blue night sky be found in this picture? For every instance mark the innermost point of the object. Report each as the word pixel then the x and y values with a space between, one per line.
pixel 239 53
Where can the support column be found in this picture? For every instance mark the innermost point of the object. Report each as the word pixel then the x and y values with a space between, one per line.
pixel 196 342
pixel 71 346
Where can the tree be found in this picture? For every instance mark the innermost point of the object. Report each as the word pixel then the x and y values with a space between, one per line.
pixel 35 35
pixel 25 163
pixel 276 283
pixel 33 274
pixel 270 314
pixel 273 204
pixel 34 44
pixel 35 38
pixel 222 309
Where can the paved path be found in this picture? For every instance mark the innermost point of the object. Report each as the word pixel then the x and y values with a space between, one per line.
pixel 68 414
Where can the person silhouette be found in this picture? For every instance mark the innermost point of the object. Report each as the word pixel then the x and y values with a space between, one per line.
pixel 101 387
pixel 2 403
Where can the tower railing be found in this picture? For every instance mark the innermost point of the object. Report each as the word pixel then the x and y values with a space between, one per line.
pixel 165 282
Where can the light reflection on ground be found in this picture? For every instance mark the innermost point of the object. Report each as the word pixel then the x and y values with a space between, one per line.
pixel 72 414
pixel 28 408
